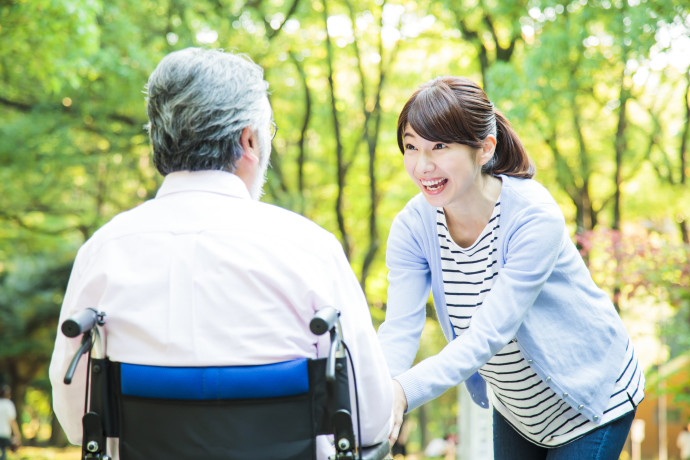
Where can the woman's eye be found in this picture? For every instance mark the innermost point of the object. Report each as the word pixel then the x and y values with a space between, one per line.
pixel 439 146
pixel 410 147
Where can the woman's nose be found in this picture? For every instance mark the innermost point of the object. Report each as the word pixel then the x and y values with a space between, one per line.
pixel 425 163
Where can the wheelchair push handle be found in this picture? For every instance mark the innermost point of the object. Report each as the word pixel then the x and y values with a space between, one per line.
pixel 324 320
pixel 80 323
pixel 327 319
pixel 83 323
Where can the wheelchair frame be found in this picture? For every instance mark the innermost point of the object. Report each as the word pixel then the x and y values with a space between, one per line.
pixel 100 419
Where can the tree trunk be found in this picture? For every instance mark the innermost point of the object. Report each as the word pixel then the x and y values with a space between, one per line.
pixel 340 163
pixel 683 222
pixel 620 148
pixel 422 421
pixel 586 218
pixel 302 156
pixel 371 128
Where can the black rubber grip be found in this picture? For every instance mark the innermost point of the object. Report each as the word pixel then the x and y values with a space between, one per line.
pixel 324 320
pixel 81 322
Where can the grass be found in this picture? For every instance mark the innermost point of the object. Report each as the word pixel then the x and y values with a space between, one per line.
pixel 45 453
pixel 74 453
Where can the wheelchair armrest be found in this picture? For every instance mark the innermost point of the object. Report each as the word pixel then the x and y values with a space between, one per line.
pixel 376 452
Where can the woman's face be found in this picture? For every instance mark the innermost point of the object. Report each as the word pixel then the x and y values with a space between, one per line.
pixel 445 173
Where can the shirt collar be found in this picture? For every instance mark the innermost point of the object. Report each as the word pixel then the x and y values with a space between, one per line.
pixel 220 182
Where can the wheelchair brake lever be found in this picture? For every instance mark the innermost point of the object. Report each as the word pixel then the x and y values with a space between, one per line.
pixel 86 344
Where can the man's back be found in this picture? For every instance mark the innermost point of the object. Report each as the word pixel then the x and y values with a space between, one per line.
pixel 203 275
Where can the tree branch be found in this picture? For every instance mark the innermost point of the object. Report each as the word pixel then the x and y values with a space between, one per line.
pixel 340 164
pixel 301 143
pixel 273 32
pixel 15 104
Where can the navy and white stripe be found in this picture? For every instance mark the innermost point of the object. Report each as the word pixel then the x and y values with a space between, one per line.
pixel 518 393
pixel 468 273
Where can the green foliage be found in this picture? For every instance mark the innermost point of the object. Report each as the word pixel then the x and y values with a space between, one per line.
pixel 646 260
pixel 30 296
pixel 73 151
pixel 639 265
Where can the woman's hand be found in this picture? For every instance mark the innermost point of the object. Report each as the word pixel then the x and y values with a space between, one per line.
pixel 399 408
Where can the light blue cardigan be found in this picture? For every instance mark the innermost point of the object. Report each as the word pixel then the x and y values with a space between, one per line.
pixel 544 296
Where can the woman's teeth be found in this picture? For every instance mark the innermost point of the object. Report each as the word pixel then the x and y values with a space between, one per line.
pixel 433 185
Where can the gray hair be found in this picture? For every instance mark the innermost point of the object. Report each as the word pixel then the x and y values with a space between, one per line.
pixel 198 102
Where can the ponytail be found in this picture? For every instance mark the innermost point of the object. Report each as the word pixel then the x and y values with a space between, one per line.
pixel 510 157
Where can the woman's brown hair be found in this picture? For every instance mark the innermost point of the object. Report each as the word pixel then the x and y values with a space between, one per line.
pixel 456 110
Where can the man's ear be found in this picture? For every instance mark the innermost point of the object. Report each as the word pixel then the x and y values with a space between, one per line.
pixel 249 144
pixel 487 150
pixel 248 163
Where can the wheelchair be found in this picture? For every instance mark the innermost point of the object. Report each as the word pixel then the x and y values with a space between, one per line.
pixel 265 412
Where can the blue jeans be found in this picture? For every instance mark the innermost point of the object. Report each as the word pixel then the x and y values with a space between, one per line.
pixel 604 443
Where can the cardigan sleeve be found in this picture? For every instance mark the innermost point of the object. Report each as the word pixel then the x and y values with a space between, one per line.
pixel 532 248
pixel 409 285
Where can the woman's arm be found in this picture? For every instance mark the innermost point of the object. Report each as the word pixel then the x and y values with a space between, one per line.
pixel 409 281
pixel 533 246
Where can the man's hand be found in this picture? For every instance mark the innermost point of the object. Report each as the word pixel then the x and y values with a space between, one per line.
pixel 399 408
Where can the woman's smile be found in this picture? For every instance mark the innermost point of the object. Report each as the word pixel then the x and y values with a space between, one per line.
pixel 445 172
pixel 434 186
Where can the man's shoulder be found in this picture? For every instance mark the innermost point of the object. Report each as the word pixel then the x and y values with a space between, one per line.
pixel 281 219
pixel 271 210
pixel 116 224
pixel 257 221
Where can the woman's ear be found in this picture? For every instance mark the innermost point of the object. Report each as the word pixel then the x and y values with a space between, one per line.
pixel 487 149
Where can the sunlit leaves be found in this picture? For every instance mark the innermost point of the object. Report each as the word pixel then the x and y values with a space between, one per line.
pixel 73 151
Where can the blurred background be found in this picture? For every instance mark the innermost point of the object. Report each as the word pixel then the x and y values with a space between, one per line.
pixel 598 90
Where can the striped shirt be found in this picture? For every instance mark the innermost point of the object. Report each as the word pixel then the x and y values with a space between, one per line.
pixel 518 393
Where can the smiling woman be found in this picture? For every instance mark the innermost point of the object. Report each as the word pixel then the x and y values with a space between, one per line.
pixel 449 134
pixel 445 171
pixel 508 285
pixel 456 110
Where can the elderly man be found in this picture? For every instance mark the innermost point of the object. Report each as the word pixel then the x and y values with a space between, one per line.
pixel 205 274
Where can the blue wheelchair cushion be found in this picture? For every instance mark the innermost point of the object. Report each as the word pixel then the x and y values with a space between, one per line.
pixel 288 378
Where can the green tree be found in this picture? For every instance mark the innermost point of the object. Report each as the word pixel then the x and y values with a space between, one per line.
pixel 30 293
pixel 597 90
